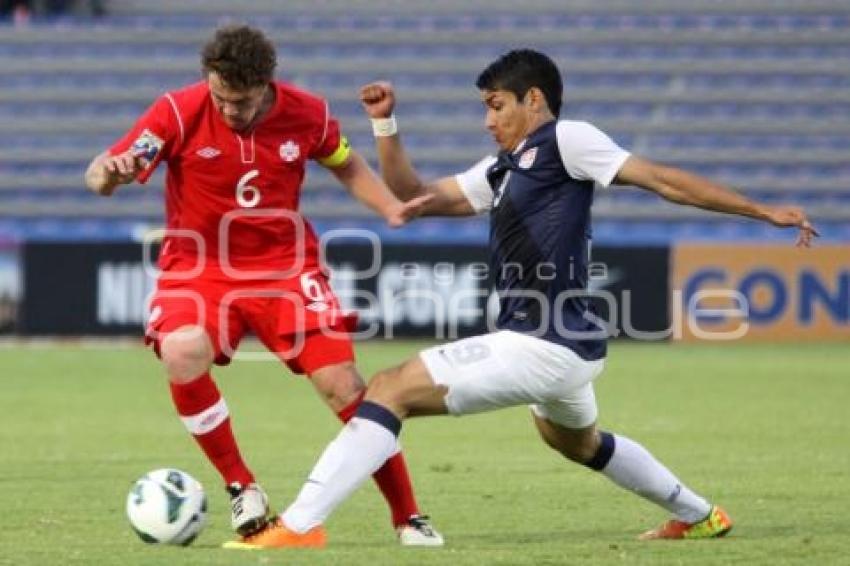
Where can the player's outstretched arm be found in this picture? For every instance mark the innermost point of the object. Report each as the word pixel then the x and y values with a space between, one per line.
pixel 365 185
pixel 682 187
pixel 447 198
pixel 106 172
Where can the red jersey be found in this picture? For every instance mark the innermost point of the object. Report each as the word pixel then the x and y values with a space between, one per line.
pixel 233 196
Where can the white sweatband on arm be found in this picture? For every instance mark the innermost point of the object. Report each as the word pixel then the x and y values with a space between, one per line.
pixel 384 127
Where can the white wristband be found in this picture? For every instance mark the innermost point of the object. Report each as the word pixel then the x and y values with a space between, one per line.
pixel 384 127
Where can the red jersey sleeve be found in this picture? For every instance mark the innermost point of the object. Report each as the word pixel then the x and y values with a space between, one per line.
pixel 332 148
pixel 154 135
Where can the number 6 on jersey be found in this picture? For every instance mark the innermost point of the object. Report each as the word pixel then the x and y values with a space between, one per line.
pixel 312 288
pixel 248 196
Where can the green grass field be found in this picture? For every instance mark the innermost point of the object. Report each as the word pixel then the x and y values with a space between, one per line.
pixel 762 429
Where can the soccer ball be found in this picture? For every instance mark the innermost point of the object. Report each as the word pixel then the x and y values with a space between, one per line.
pixel 167 506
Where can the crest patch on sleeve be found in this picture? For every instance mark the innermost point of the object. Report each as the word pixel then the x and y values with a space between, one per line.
pixel 147 145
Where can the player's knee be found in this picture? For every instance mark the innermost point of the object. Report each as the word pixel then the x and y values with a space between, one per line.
pixel 580 451
pixel 577 446
pixel 186 353
pixel 386 387
pixel 339 385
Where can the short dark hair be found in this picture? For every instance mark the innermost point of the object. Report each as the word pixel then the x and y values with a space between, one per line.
pixel 242 56
pixel 518 70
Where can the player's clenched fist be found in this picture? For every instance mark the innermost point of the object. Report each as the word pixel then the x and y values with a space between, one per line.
pixel 378 99
pixel 109 171
pixel 125 166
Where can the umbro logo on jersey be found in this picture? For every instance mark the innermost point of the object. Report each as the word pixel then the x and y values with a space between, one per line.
pixel 289 151
pixel 208 152
pixel 318 307
pixel 526 160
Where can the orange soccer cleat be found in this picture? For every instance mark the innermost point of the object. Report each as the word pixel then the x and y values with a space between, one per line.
pixel 276 535
pixel 716 525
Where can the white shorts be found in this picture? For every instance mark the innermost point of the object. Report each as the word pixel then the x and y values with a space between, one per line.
pixel 506 368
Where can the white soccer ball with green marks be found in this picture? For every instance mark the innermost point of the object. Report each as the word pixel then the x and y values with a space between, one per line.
pixel 167 506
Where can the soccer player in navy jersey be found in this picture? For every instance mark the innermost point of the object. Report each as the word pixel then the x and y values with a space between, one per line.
pixel 547 350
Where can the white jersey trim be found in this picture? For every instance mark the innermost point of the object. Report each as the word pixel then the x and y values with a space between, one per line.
pixel 588 153
pixel 247 158
pixel 325 131
pixel 476 189
pixel 177 113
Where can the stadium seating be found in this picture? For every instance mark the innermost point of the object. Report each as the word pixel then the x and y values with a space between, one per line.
pixel 755 93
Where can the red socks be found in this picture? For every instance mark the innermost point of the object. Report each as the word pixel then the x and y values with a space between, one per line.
pixel 205 415
pixel 392 478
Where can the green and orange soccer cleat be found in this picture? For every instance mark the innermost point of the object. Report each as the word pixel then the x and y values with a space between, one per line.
pixel 716 525
pixel 276 535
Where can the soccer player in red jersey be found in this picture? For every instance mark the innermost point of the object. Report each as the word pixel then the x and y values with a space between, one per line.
pixel 237 256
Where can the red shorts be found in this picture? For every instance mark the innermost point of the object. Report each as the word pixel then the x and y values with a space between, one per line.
pixel 298 319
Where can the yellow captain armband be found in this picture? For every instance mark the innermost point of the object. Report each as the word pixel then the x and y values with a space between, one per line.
pixel 339 156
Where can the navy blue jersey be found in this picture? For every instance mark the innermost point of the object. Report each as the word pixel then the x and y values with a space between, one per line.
pixel 539 197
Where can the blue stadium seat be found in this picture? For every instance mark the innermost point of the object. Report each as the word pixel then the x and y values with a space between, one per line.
pixel 769 83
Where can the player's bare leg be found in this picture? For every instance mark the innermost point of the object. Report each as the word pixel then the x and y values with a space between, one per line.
pixel 342 388
pixel 408 390
pixel 187 355
pixel 631 466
